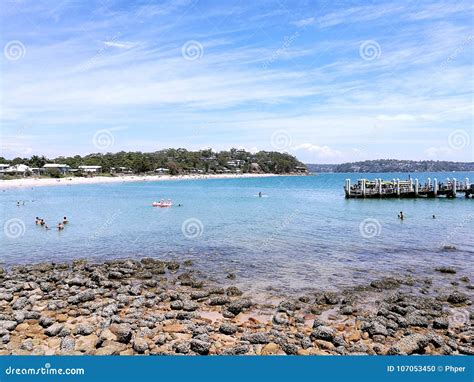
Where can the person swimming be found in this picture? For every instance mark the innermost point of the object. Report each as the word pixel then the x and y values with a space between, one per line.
pixel 60 226
pixel 434 216
pixel 42 223
pixel 260 194
pixel 37 221
pixel 65 221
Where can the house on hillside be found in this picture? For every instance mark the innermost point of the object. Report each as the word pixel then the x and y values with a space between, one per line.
pixel 59 167
pixel 18 169
pixel 90 170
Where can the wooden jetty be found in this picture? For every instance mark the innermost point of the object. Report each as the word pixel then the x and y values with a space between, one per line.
pixel 411 188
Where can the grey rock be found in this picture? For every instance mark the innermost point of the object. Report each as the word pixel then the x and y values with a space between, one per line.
pixel 87 295
pixel 413 343
pixel 446 270
pixel 280 319
pixel 67 344
pixel 20 303
pixel 181 347
pixel 323 333
pixel 233 291
pixel 84 329
pixel 458 298
pixel 218 300
pixel 190 306
pixel 122 331
pixel 140 345
pixel 441 323
pixel 5 296
pixel 8 325
pixel 46 321
pixel 228 329
pixel 200 347
pixel 257 338
pixel 54 329
pixel 176 305
pixel 236 350
pixel 27 345
pixel 415 319
pixel 238 306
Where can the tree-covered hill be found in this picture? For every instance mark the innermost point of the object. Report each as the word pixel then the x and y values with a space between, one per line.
pixel 179 161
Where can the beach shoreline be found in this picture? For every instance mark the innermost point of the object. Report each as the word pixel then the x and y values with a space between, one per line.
pixel 155 307
pixel 69 181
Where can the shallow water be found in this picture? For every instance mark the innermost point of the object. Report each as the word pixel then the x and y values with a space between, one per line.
pixel 303 234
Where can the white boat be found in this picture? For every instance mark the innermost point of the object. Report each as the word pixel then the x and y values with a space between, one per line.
pixel 163 203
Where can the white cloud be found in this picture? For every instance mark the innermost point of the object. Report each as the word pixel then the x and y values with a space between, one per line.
pixel 120 44
pixel 305 22
pixel 321 151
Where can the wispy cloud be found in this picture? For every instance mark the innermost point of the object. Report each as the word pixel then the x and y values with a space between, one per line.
pixel 89 68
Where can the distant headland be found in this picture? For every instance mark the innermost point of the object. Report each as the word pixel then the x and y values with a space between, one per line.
pixel 393 165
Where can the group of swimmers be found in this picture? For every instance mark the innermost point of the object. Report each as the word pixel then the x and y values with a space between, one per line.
pixel 43 224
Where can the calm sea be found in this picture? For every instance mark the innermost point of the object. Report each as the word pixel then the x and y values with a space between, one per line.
pixel 301 234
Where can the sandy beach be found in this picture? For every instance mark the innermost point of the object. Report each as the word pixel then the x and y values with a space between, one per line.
pixel 68 181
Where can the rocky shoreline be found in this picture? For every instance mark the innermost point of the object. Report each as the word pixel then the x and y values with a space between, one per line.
pixel 125 307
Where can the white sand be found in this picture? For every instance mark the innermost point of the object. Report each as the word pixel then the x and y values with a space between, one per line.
pixel 37 182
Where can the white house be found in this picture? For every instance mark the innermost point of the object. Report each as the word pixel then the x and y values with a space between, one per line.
pixel 3 168
pixel 91 169
pixel 162 170
pixel 18 169
pixel 61 168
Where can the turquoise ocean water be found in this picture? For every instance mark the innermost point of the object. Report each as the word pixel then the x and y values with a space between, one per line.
pixel 302 234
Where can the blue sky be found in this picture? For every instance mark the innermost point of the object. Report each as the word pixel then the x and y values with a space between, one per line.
pixel 327 81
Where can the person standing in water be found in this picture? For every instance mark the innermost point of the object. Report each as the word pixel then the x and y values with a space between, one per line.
pixel 65 221
pixel 400 216
pixel 260 194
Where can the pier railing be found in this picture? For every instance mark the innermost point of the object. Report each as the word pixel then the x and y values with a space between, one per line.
pixel 411 188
